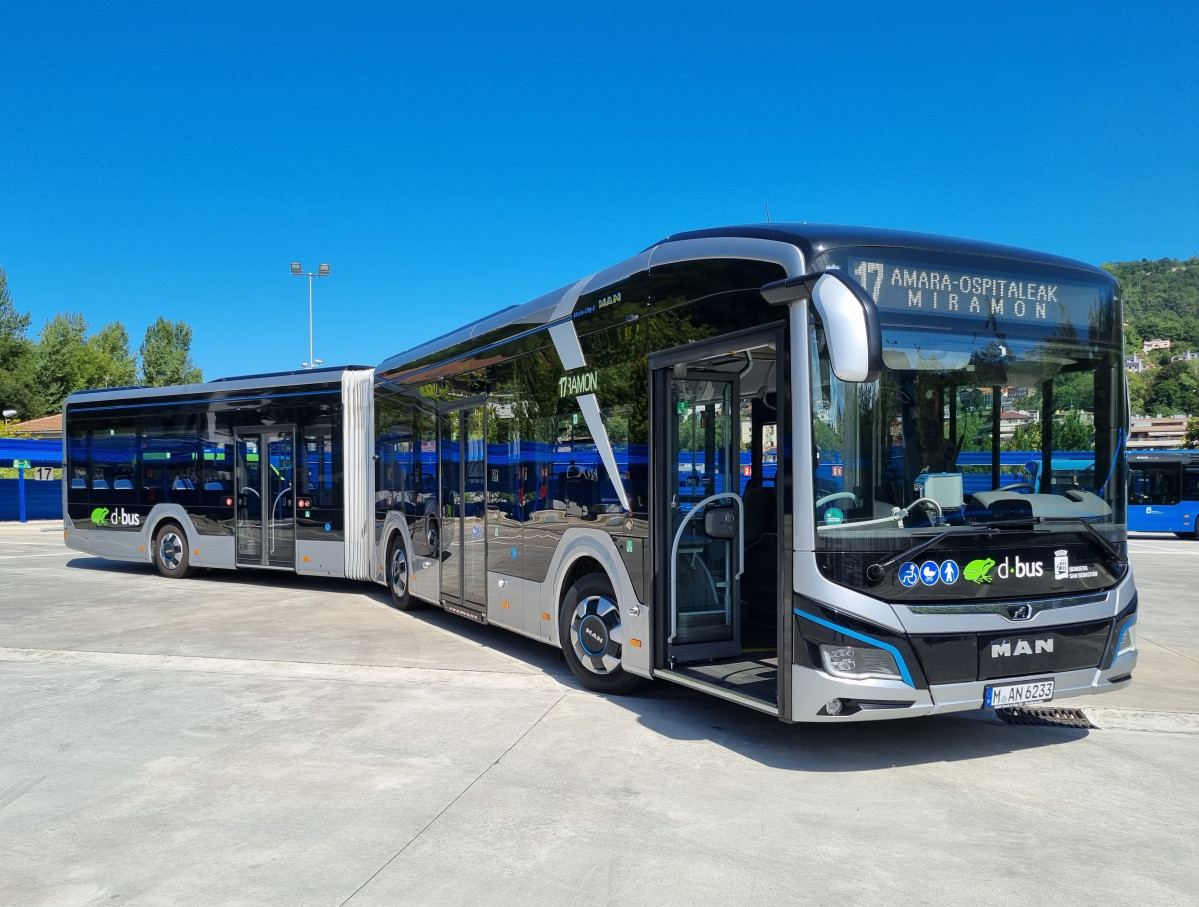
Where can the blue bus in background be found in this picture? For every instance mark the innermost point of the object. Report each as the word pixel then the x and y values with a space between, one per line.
pixel 1163 491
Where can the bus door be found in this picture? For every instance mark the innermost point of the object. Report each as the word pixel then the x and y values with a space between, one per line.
pixel 463 507
pixel 266 517
pixel 698 444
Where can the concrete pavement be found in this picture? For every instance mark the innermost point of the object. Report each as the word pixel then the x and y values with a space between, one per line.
pixel 267 739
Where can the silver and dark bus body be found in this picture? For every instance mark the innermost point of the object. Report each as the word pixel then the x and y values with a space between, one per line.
pixel 629 468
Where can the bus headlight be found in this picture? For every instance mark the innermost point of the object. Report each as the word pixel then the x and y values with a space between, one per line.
pixel 1128 640
pixel 859 662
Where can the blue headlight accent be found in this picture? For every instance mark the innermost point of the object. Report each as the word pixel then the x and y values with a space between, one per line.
pixel 1123 633
pixel 877 643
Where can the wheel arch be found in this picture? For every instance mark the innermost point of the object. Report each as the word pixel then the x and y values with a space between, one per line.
pixel 168 513
pixel 585 551
pixel 394 525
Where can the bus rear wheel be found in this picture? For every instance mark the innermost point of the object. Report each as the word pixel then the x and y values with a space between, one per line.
pixel 592 637
pixel 170 552
pixel 399 573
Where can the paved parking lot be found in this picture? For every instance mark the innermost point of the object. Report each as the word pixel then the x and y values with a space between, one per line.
pixel 238 739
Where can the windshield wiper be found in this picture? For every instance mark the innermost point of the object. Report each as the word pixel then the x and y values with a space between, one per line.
pixel 876 571
pixel 1113 553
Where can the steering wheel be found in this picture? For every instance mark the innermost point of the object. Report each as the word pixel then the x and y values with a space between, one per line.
pixel 837 496
pixel 1015 485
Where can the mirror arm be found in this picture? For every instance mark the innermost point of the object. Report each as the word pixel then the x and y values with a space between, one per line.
pixel 827 292
pixel 792 289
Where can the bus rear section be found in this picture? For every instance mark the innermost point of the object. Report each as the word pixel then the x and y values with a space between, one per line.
pixel 264 472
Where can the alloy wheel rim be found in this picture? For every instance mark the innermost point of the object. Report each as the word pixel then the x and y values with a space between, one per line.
pixel 596 634
pixel 171 551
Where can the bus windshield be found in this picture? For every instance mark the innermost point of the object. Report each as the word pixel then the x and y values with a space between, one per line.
pixel 994 430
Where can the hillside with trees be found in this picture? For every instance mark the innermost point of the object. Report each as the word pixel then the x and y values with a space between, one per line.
pixel 1161 302
pixel 36 374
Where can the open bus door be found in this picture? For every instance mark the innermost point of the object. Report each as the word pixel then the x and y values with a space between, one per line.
pixel 716 530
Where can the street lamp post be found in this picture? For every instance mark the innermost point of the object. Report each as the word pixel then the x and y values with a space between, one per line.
pixel 297 270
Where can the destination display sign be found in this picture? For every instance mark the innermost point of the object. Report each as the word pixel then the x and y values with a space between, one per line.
pixel 978 295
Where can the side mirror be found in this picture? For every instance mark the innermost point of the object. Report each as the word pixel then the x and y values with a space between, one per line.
pixel 850 317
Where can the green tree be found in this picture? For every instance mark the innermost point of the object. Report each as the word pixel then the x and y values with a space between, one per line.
pixel 1025 437
pixel 166 355
pixel 111 344
pixel 1069 433
pixel 1191 439
pixel 18 380
pixel 1175 389
pixel 63 358
pixel 69 360
pixel 1139 386
pixel 1133 341
pixel 12 323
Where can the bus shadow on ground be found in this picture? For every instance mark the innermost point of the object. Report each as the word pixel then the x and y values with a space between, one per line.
pixel 686 715
pixel 682 714
pixel 865 746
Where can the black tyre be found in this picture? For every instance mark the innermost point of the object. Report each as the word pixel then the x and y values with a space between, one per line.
pixel 593 638
pixel 399 575
pixel 171 555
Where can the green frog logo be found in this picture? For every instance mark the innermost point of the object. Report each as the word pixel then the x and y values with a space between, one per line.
pixel 100 516
pixel 979 571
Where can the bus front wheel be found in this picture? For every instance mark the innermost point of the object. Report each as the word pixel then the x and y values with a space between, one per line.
pixel 592 637
pixel 170 552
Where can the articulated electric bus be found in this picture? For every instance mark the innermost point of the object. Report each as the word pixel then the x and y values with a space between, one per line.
pixel 764 462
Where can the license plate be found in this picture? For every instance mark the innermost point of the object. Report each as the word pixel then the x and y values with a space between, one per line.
pixel 1000 697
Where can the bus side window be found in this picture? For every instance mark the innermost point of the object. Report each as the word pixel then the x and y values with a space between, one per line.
pixel 1190 490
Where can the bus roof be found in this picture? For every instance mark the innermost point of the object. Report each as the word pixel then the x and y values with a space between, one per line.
pixel 218 386
pixel 763 242
pixel 813 239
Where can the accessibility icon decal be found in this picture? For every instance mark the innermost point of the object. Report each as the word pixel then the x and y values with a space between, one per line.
pixel 929 573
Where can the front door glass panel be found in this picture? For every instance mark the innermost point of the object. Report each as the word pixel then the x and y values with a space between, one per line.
pixel 706 513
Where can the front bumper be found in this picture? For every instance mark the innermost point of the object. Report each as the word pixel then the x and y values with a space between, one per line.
pixel 877 700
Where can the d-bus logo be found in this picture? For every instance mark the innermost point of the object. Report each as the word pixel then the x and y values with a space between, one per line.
pixel 1020 570
pixel 979 571
pixel 102 516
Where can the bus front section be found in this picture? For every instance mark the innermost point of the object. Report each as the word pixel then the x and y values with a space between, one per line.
pixel 960 534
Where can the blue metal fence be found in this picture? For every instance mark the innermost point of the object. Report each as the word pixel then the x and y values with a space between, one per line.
pixel 25 498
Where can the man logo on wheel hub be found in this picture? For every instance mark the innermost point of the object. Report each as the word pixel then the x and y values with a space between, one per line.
pixel 593 635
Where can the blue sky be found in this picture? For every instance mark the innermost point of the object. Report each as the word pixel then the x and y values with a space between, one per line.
pixel 173 158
